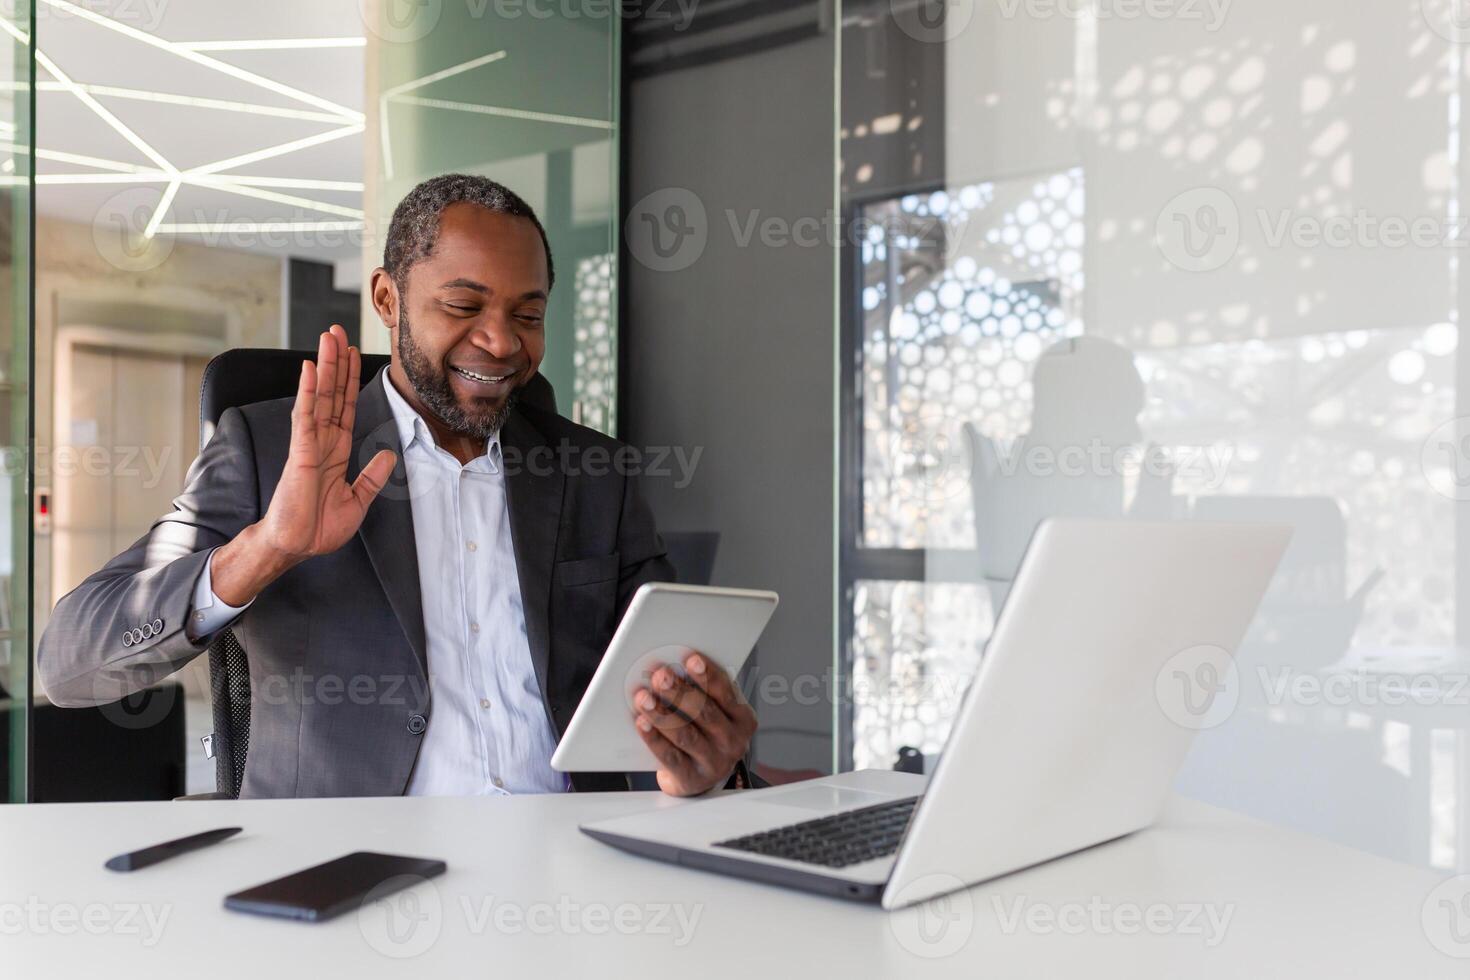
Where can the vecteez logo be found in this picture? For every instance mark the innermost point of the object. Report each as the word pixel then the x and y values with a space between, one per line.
pixel 667 230
pixel 1199 230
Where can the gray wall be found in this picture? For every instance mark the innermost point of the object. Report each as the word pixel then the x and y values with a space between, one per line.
pixel 735 353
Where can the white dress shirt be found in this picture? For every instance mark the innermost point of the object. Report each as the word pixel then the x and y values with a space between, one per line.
pixel 488 731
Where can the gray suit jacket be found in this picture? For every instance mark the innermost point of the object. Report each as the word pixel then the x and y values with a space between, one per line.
pixel 338 667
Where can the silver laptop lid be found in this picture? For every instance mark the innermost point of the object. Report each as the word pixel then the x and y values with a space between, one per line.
pixel 1112 650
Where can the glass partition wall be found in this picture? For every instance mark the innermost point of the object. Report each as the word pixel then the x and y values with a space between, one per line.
pixel 16 115
pixel 214 176
pixel 1169 261
pixel 529 98
pixel 199 188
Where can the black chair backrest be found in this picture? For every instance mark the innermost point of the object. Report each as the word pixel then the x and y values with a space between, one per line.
pixel 239 377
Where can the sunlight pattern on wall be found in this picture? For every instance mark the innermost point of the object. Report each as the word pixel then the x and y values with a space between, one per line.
pixel 595 360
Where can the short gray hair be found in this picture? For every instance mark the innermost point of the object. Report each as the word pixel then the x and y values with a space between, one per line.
pixel 415 225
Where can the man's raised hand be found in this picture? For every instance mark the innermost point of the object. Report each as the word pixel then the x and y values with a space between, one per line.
pixel 314 510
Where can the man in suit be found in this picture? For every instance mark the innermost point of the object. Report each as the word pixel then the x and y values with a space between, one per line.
pixel 425 575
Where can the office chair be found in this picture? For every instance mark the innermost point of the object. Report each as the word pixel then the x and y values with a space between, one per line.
pixel 131 749
pixel 241 377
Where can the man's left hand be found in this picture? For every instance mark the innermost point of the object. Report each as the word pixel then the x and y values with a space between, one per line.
pixel 696 726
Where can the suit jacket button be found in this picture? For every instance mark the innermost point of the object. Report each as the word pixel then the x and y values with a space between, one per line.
pixel 158 626
pixel 127 638
pixel 137 635
pixel 417 724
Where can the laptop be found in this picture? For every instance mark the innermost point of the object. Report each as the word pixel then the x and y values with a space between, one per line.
pixel 1112 650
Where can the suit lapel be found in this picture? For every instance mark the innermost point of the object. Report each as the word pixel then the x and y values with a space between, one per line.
pixel 387 530
pixel 534 485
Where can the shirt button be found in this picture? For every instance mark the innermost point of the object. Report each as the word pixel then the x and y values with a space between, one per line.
pixel 499 783
pixel 417 724
pixel 485 703
pixel 474 627
pixel 472 546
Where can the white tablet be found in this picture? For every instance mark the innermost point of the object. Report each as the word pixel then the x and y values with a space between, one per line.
pixel 663 624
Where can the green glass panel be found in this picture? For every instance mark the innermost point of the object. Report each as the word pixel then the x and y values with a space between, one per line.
pixel 17 67
pixel 529 97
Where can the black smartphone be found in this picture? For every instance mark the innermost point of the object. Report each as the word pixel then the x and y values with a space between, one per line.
pixel 329 889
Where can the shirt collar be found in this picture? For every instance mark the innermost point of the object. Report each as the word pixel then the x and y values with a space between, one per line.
pixel 412 427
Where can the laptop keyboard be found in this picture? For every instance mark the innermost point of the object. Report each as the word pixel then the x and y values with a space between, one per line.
pixel 836 841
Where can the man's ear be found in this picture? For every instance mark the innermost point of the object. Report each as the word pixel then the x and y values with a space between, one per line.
pixel 385 297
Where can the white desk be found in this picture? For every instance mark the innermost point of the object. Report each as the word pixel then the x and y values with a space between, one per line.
pixel 1298 908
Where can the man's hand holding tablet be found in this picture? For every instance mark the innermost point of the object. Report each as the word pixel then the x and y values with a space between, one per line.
pixel 663 697
pixel 696 725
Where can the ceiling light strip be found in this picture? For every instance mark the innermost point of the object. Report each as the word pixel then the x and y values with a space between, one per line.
pixel 151 177
pixel 82 160
pixel 294 183
pixel 15 32
pixel 194 101
pixel 224 67
pixel 265 195
pixel 493 110
pixel 138 142
pixel 274 44
pixel 444 73
pixel 205 180
pixel 275 151
pixel 451 71
pixel 168 198
pixel 384 139
pixel 255 227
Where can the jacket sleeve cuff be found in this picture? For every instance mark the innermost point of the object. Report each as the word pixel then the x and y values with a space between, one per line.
pixel 209 613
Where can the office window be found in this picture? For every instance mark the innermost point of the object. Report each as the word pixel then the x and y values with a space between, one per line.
pixel 1178 250
pixel 959 293
pixel 914 646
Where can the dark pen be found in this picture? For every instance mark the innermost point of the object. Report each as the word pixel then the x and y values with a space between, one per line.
pixel 162 852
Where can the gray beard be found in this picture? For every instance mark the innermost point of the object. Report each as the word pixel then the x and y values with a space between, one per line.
pixel 435 394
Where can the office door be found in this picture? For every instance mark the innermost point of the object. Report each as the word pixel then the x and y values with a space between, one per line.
pixel 127 428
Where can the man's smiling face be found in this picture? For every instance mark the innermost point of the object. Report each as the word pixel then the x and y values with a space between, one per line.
pixel 468 329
